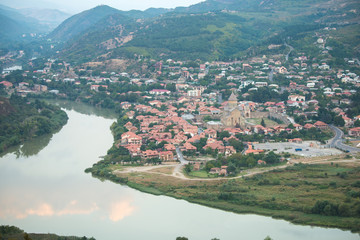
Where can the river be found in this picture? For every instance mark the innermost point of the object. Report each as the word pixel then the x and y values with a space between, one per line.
pixel 47 191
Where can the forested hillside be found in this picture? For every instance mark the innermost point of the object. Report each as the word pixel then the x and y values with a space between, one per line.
pixel 81 22
pixel 209 30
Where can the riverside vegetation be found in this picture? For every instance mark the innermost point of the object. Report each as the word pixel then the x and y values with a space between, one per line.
pixel 15 233
pixel 320 194
pixel 21 120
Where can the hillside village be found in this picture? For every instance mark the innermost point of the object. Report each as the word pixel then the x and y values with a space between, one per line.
pixel 207 108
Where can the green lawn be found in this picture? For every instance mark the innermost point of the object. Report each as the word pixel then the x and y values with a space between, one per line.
pixel 201 174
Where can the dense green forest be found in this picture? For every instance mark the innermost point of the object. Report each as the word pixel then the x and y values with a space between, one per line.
pixel 21 120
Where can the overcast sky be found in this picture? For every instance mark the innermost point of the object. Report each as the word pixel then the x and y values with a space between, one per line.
pixel 75 6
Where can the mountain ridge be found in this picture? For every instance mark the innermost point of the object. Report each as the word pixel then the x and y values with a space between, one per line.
pixel 81 22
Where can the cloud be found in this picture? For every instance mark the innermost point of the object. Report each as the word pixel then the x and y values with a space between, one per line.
pixel 42 210
pixel 46 210
pixel 120 210
pixel 73 208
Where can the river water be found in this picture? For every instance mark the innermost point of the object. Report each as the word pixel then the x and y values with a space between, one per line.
pixel 43 189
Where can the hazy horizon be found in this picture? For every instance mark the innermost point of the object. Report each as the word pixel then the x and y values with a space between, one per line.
pixel 73 7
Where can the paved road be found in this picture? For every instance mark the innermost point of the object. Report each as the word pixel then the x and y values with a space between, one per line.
pixel 220 99
pixel 178 168
pixel 337 141
pixel 181 157
pixel 271 75
pixel 287 55
pixel 291 119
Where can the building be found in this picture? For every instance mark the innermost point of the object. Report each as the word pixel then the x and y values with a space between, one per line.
pixel 131 138
pixel 232 115
pixel 96 87
pixel 159 92
pixel 6 84
pixel 148 154
pixel 354 132
pixel 166 156
pixel 11 69
pixel 321 125
pixel 252 150
pixel 296 140
pixel 296 98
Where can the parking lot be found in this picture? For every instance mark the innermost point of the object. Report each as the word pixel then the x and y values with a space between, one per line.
pixel 306 150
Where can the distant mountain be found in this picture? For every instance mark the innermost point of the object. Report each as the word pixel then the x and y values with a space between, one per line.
pixel 217 5
pixel 14 26
pixel 49 17
pixel 35 4
pixel 83 21
pixel 148 13
pixel 109 33
pixel 10 29
pixel 214 29
pixel 31 23
pixel 79 23
pixel 251 6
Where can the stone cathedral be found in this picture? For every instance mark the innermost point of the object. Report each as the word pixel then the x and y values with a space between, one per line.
pixel 233 115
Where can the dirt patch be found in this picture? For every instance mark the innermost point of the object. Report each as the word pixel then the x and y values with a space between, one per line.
pixel 165 170
pixel 93 64
pixel 116 64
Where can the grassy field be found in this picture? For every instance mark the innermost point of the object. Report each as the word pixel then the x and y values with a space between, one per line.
pixel 268 122
pixel 201 174
pixel 293 193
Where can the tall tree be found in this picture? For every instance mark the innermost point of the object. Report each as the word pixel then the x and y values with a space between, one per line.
pixel 263 123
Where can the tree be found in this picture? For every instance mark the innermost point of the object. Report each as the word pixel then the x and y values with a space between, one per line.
pixel 182 238
pixel 250 161
pixel 26 237
pixel 187 168
pixel 357 123
pixel 161 144
pixel 325 115
pixel 271 158
pixel 209 165
pixel 231 168
pixel 239 146
pixel 171 87
pixel 224 134
pixel 263 123
pixel 339 121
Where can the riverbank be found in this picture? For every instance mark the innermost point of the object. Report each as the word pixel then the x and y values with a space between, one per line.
pixel 22 120
pixel 324 195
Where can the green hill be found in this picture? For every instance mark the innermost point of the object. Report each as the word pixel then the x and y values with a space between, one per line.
pixel 79 23
pixel 214 29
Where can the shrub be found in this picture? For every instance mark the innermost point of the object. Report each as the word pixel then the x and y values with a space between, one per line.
pixel 356 184
pixel 325 208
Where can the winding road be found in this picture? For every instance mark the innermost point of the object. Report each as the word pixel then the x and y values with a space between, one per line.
pixel 177 172
pixel 337 141
pixel 287 55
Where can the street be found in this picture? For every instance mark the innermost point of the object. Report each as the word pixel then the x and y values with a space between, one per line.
pixel 337 141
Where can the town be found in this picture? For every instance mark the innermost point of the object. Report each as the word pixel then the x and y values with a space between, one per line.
pixel 213 120
pixel 287 105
